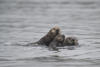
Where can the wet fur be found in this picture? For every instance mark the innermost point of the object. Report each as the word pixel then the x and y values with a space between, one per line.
pixel 57 42
pixel 71 41
pixel 47 39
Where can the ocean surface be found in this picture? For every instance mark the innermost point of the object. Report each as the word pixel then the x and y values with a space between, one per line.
pixel 26 21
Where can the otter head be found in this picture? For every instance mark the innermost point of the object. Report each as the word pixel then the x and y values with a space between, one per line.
pixel 71 41
pixel 55 30
pixel 60 38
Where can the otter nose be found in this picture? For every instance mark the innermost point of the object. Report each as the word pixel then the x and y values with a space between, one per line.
pixel 57 30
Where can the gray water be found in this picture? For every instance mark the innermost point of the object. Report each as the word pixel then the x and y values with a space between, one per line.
pixel 25 21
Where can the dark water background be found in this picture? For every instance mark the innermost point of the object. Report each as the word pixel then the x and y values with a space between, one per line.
pixel 25 21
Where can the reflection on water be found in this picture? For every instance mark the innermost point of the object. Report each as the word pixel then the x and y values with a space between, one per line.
pixel 23 21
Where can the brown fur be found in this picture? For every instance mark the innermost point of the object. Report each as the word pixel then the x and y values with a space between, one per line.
pixel 47 39
pixel 57 42
pixel 70 41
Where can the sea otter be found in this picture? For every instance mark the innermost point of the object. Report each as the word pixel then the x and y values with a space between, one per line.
pixel 48 38
pixel 70 41
pixel 57 42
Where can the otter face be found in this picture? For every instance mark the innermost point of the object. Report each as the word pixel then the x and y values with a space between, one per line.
pixel 60 38
pixel 71 41
pixel 55 30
